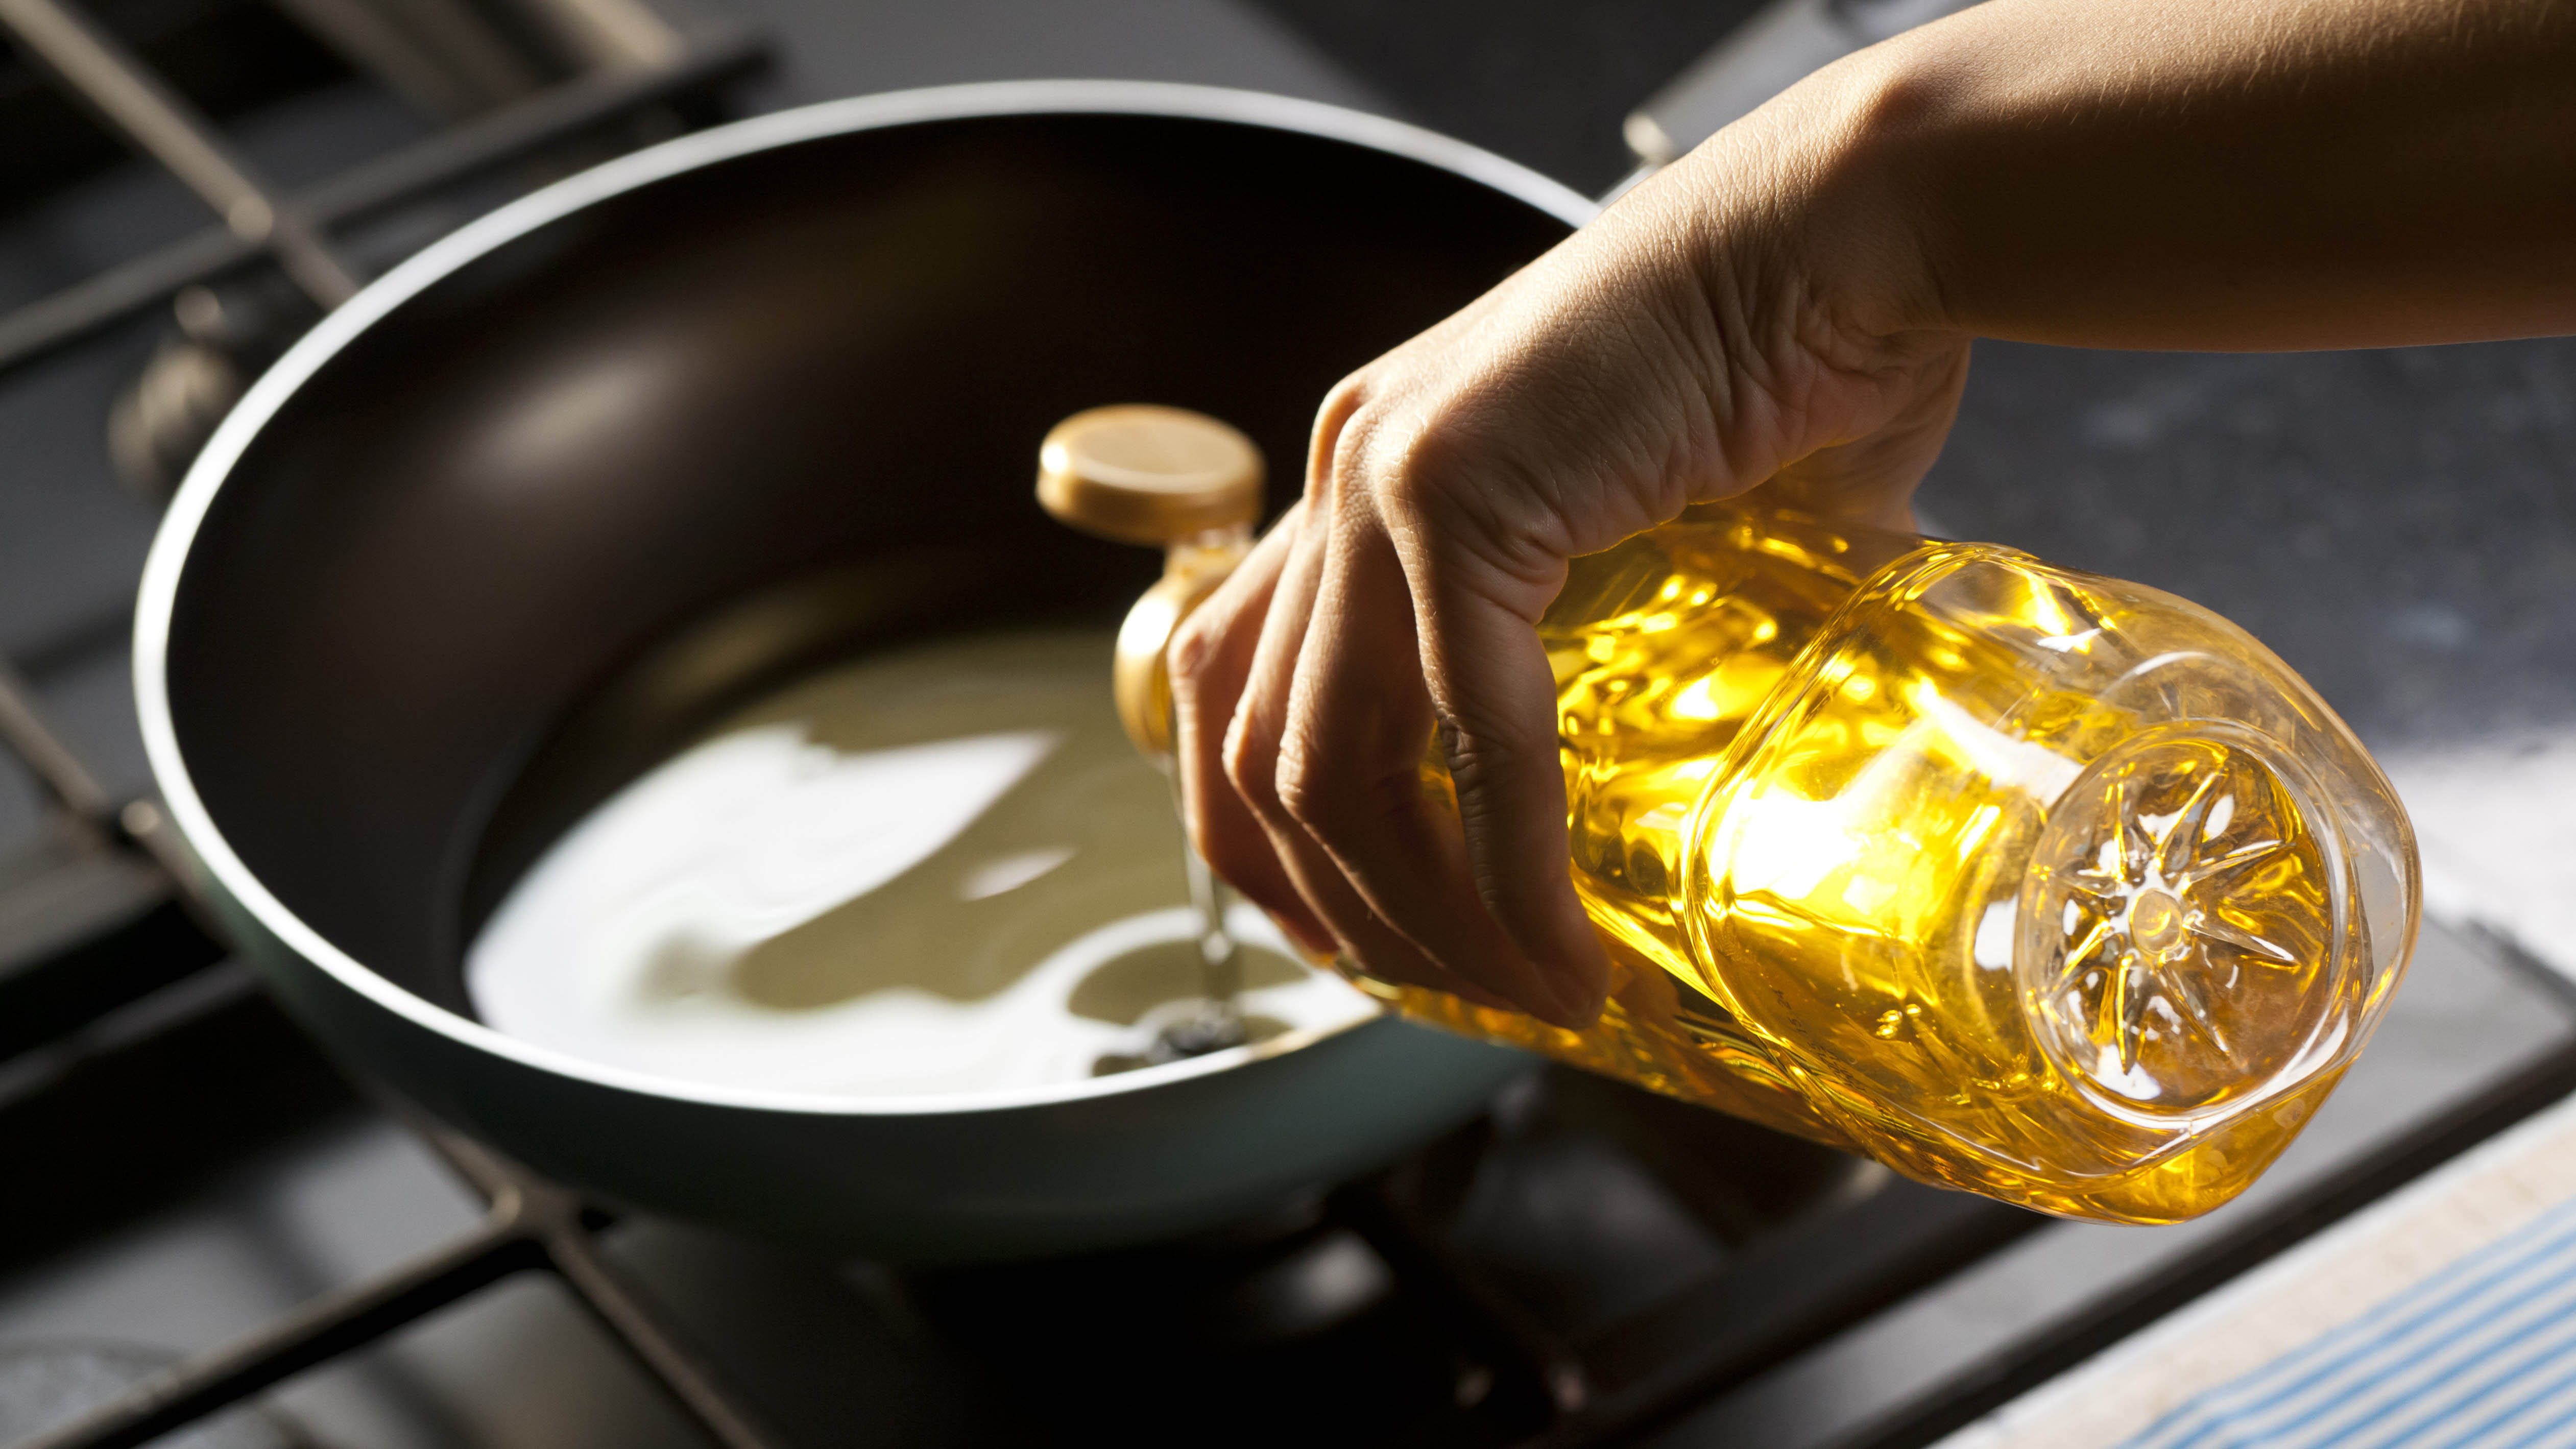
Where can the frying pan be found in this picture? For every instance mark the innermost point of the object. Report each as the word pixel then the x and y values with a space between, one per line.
pixel 569 483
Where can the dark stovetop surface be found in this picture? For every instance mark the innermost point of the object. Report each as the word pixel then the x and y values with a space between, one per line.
pixel 2399 525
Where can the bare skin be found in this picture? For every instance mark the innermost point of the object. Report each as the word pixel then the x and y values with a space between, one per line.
pixel 1792 306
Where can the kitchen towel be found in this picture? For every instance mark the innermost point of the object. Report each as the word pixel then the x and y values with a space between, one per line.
pixel 2480 1356
pixel 2444 1317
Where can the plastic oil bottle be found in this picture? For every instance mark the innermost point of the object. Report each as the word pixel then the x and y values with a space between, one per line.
pixel 2019 880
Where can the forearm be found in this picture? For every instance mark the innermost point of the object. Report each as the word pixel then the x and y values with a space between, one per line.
pixel 2210 174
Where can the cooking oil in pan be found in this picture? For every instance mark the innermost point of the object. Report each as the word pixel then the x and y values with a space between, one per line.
pixel 934 871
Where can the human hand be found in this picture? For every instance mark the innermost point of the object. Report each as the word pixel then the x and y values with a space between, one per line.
pixel 1735 320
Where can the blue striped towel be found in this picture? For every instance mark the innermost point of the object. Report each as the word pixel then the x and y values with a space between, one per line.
pixel 2480 1356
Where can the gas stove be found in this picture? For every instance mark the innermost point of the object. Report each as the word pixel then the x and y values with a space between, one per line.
pixel 217 1237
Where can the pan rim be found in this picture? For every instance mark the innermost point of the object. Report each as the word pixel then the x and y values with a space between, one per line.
pixel 166 563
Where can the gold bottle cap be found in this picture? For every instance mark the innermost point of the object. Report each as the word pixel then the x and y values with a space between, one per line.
pixel 1138 473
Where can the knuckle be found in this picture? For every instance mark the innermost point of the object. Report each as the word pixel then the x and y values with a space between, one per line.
pixel 1337 421
pixel 1251 769
pixel 1350 467
pixel 1192 649
pixel 1341 801
pixel 1446 484
pixel 1450 443
pixel 1480 759
pixel 1344 396
pixel 1304 789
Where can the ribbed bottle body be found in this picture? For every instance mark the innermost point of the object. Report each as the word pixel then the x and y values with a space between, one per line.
pixel 2019 880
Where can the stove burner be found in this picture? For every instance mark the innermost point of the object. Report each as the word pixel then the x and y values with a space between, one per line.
pixel 47 1386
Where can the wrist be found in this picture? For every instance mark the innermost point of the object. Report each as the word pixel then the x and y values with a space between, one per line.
pixel 1861 135
pixel 1814 213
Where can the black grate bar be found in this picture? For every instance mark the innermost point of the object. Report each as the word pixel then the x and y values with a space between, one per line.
pixel 557 1227
pixel 155 118
pixel 64 777
pixel 2035 1360
pixel 320 1331
pixel 1782 1297
pixel 30 332
pixel 454 155
pixel 191 992
pixel 530 1224
pixel 629 1314
pixel 138 825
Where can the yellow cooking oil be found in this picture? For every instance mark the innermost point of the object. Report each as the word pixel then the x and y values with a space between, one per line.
pixel 1811 819
pixel 1662 649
